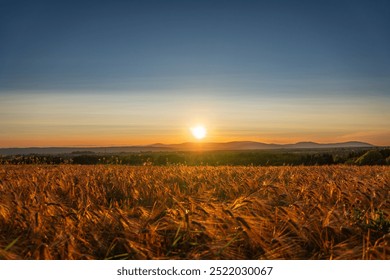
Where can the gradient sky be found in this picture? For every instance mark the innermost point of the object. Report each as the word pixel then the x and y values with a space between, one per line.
pixel 75 73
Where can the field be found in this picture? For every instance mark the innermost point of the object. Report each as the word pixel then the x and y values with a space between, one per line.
pixel 199 212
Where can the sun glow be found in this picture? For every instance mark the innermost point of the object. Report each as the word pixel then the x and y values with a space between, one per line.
pixel 199 132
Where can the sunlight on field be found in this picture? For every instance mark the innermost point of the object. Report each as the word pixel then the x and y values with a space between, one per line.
pixel 179 212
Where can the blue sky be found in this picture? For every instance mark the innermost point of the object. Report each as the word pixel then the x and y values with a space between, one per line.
pixel 273 71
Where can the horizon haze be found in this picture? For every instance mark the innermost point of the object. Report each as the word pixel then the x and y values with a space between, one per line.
pixel 182 147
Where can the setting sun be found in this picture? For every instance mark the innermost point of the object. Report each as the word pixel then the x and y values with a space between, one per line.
pixel 199 132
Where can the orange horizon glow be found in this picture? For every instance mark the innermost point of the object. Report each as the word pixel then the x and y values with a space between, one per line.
pixel 142 141
pixel 48 120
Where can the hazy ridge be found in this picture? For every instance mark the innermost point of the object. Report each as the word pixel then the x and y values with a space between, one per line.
pixel 189 146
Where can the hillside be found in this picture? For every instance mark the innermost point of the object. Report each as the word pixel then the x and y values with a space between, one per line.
pixel 189 146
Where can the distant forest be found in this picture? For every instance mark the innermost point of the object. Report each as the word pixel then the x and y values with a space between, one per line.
pixel 352 156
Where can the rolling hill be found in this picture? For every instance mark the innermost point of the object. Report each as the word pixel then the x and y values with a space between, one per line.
pixel 189 146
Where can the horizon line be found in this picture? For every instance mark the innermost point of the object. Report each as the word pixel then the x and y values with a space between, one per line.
pixel 189 142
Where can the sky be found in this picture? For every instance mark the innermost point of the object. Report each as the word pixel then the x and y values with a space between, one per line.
pixel 110 73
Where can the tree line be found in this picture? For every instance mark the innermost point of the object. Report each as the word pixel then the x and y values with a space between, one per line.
pixel 214 158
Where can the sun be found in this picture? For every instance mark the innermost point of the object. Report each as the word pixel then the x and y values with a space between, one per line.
pixel 199 131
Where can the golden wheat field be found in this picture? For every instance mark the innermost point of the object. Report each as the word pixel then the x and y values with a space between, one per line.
pixel 181 212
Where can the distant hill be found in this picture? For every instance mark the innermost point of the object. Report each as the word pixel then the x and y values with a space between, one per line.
pixel 250 145
pixel 189 146
pixel 313 145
